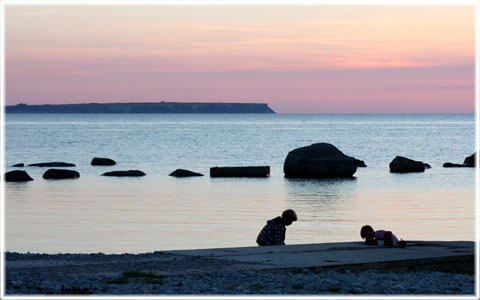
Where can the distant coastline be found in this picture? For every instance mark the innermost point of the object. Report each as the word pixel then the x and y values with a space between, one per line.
pixel 145 108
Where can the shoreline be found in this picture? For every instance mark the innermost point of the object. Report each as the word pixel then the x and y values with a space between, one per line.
pixel 312 269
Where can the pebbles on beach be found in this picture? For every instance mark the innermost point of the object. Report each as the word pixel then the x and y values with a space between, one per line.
pixel 167 274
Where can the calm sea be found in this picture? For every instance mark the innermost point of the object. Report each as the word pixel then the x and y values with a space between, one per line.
pixel 159 212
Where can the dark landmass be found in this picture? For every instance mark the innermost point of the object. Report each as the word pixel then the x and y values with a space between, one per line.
pixel 145 108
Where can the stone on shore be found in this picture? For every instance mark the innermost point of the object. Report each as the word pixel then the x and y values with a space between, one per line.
pixel 321 160
pixel 402 164
pixel 52 164
pixel 469 162
pixel 257 171
pixel 129 173
pixel 184 173
pixel 20 165
pixel 17 176
pixel 60 174
pixel 100 161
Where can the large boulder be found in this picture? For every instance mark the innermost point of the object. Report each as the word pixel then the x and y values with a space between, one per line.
pixel 17 176
pixel 321 160
pixel 60 174
pixel 402 164
pixel 100 161
pixel 129 173
pixel 184 173
pixel 469 162
pixel 52 164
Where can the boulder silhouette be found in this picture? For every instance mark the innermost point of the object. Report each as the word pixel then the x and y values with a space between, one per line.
pixel 469 162
pixel 100 161
pixel 60 174
pixel 52 164
pixel 402 164
pixel 321 160
pixel 129 173
pixel 184 173
pixel 17 176
pixel 20 165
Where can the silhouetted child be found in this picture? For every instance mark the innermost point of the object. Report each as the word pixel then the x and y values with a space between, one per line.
pixel 274 232
pixel 372 237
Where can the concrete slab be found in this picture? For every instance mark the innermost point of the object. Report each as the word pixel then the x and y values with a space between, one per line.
pixel 437 255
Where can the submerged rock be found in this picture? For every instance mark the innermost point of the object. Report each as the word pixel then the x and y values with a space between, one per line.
pixel 402 164
pixel 20 165
pixel 129 173
pixel 17 176
pixel 52 164
pixel 100 161
pixel 60 174
pixel 321 160
pixel 184 173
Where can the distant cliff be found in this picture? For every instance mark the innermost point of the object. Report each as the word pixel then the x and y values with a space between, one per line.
pixel 145 108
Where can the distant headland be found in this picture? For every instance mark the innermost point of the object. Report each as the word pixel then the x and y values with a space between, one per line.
pixel 145 108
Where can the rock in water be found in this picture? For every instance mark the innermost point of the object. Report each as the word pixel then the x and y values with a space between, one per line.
pixel 402 164
pixel 184 173
pixel 53 164
pixel 60 174
pixel 129 173
pixel 321 160
pixel 470 161
pixel 17 176
pixel 100 161
pixel 20 165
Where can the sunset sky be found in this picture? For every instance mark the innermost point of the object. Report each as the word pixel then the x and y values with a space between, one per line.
pixel 298 59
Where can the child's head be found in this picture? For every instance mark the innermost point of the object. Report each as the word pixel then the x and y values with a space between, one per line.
pixel 289 216
pixel 365 231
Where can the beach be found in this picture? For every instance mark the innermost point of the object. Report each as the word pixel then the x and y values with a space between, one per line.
pixel 250 271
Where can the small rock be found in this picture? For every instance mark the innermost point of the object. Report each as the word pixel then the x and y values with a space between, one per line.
pixel 17 176
pixel 52 164
pixel 184 173
pixel 99 161
pixel 402 164
pixel 20 165
pixel 129 173
pixel 60 174
pixel 470 160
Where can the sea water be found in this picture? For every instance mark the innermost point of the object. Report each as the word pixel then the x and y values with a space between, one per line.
pixel 95 213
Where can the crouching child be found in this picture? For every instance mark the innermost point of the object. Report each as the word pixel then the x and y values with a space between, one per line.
pixel 274 232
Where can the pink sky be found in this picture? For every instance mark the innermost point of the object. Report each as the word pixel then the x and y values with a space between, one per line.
pixel 298 59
